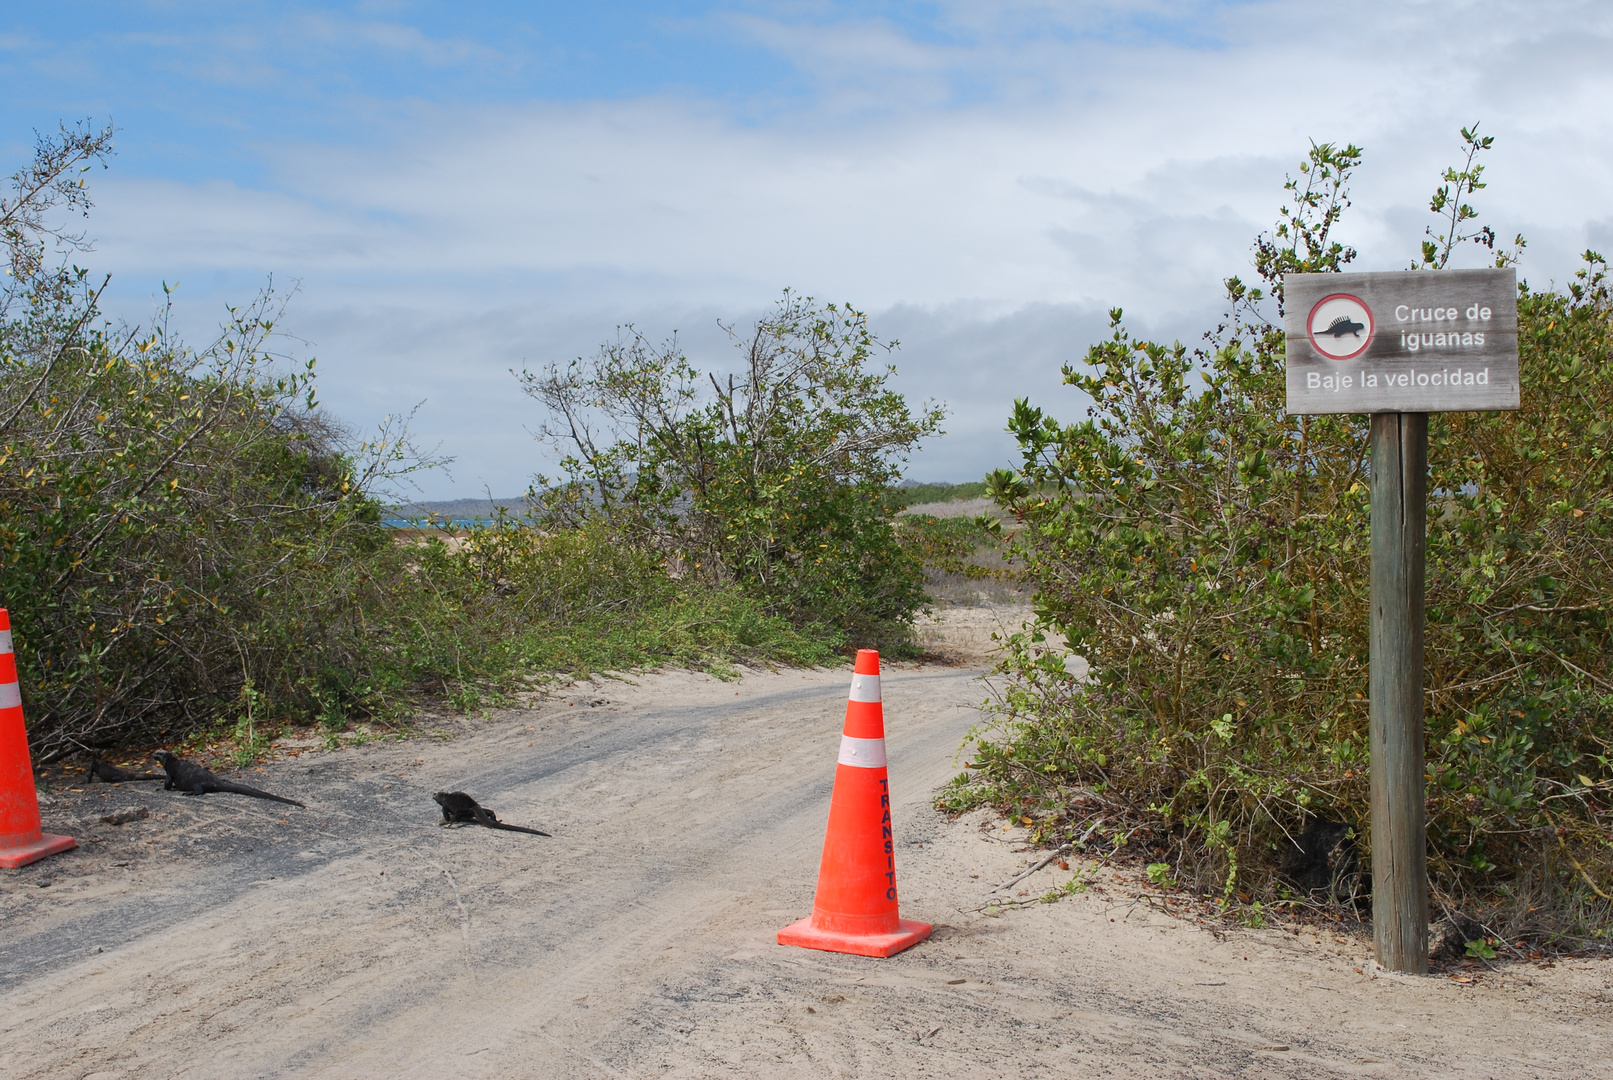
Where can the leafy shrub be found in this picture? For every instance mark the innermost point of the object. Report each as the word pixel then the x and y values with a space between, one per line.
pixel 175 527
pixel 775 481
pixel 951 544
pixel 183 543
pixel 508 604
pixel 964 559
pixel 567 574
pixel 186 543
pixel 1208 556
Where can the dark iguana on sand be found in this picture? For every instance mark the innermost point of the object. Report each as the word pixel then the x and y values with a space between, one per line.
pixel 188 778
pixel 460 809
pixel 110 774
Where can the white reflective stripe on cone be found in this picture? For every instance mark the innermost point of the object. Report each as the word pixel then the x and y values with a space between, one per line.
pixel 5 640
pixel 864 753
pixel 865 688
pixel 11 698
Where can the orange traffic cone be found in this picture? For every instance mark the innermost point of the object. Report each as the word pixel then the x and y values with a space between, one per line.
pixel 855 908
pixel 21 842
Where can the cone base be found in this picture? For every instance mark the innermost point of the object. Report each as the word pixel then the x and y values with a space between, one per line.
pixel 47 844
pixel 807 936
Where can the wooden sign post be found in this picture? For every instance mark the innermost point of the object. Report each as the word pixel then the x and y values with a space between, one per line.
pixel 1400 346
pixel 1399 851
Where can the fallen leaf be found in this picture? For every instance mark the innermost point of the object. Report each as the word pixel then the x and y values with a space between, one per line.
pixel 1461 979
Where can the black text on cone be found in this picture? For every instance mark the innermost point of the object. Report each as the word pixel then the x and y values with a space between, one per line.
pixel 855 909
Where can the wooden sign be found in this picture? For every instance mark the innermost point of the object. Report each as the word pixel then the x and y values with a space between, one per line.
pixel 1412 342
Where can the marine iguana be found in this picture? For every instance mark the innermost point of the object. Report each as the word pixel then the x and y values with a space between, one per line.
pixel 1322 857
pixel 188 778
pixel 460 809
pixel 1343 325
pixel 111 774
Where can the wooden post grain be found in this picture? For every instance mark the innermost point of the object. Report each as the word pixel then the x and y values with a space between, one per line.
pixel 1399 845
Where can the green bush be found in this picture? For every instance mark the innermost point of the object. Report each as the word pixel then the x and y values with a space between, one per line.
pixel 953 545
pixel 775 481
pixel 184 544
pixel 187 544
pixel 1208 555
pixel 175 527
pixel 965 561
pixel 517 603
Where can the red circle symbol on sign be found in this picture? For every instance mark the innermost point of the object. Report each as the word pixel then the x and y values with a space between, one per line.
pixel 1340 326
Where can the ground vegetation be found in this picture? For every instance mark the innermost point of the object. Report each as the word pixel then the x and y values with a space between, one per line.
pixel 909 494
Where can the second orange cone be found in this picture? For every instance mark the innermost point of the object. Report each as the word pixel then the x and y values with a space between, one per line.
pixel 855 907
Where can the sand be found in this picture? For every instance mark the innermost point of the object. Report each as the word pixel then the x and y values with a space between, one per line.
pixel 224 937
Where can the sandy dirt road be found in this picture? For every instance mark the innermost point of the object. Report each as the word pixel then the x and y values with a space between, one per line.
pixel 222 937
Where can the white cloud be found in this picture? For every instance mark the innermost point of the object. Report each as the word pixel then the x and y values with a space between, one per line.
pixel 1109 165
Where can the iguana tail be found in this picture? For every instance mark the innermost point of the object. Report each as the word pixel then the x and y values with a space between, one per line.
pixel 486 817
pixel 242 789
pixel 518 828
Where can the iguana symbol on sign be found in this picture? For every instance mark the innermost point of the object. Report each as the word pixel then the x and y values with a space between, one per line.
pixel 1340 327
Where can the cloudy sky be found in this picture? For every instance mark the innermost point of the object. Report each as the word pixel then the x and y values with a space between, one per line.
pixel 464 189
